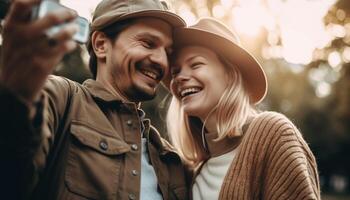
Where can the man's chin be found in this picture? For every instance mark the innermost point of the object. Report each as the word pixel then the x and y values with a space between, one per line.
pixel 145 97
pixel 141 94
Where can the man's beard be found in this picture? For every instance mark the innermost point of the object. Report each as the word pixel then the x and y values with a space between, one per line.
pixel 136 94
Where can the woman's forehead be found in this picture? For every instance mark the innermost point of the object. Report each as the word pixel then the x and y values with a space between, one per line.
pixel 188 53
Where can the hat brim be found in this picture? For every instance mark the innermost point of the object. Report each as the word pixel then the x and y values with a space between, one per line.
pixel 169 17
pixel 252 73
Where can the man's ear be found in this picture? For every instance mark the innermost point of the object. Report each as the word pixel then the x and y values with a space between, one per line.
pixel 99 43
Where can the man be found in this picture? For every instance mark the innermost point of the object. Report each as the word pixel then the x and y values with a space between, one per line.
pixel 63 140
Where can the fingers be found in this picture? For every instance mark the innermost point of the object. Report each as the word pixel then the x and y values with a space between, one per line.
pixel 20 10
pixel 18 20
pixel 66 33
pixel 63 39
pixel 53 18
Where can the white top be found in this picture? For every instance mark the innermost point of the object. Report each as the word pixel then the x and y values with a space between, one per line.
pixel 149 183
pixel 208 182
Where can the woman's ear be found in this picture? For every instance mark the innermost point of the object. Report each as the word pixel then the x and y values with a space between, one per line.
pixel 99 43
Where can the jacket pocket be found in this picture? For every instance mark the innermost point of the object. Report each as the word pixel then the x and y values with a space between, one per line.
pixel 93 162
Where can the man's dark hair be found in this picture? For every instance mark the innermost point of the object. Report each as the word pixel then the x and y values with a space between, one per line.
pixel 112 31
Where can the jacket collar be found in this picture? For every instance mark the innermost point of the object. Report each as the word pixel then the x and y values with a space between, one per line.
pixel 163 147
pixel 220 147
pixel 225 145
pixel 97 90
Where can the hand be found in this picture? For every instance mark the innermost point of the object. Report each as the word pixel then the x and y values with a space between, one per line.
pixel 28 55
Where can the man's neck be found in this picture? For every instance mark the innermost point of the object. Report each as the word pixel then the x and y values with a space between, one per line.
pixel 114 91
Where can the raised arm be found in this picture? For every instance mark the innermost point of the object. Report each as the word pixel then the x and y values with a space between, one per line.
pixel 28 57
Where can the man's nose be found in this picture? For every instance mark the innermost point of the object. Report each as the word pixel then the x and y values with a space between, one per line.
pixel 160 57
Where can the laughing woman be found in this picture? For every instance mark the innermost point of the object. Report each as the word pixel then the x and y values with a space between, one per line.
pixel 234 151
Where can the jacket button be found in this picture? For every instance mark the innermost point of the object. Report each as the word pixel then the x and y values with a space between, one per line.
pixel 134 147
pixel 103 145
pixel 132 196
pixel 129 122
pixel 134 172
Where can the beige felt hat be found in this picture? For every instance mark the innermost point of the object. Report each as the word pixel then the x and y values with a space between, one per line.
pixel 213 34
pixel 108 12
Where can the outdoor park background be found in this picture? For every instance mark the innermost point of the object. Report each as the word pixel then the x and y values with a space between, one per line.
pixel 304 47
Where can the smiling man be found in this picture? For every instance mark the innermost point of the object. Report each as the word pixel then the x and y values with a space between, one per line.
pixel 135 63
pixel 63 140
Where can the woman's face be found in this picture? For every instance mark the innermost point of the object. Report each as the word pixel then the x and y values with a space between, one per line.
pixel 199 79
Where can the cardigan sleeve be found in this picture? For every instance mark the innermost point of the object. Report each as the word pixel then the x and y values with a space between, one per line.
pixel 291 170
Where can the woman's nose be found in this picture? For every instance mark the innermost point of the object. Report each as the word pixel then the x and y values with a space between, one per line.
pixel 182 77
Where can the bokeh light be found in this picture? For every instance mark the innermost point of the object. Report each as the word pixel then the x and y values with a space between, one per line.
pixel 334 59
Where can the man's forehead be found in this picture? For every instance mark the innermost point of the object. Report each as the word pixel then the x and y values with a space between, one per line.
pixel 154 28
pixel 157 27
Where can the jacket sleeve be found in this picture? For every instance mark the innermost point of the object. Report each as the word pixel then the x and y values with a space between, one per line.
pixel 291 171
pixel 25 141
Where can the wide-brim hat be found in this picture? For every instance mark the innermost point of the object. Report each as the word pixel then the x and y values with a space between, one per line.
pixel 214 35
pixel 108 12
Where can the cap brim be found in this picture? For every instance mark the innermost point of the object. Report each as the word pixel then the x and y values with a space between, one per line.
pixel 169 17
pixel 252 73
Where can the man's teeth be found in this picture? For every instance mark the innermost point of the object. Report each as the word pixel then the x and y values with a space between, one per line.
pixel 188 91
pixel 150 74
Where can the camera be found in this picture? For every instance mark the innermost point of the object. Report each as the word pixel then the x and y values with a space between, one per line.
pixel 47 6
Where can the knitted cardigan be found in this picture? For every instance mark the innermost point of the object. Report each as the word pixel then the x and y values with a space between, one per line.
pixel 273 162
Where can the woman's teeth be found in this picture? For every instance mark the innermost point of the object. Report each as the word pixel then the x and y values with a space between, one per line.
pixel 189 91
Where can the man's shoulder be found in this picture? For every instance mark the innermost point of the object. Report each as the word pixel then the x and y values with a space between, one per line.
pixel 54 81
pixel 58 86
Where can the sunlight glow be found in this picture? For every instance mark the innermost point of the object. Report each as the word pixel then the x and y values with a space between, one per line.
pixel 341 14
pixel 346 54
pixel 295 28
pixel 219 11
pixel 187 15
pixel 304 32
pixel 227 3
pixel 202 7
pixel 249 19
pixel 297 48
pixel 336 30
pixel 334 59
pixel 84 8
pixel 323 89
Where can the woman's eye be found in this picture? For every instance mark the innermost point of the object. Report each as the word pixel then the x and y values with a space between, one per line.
pixel 174 73
pixel 196 65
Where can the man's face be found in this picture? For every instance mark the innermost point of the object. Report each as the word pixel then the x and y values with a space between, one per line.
pixel 138 59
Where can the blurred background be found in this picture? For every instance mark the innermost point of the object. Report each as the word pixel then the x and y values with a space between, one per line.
pixel 304 47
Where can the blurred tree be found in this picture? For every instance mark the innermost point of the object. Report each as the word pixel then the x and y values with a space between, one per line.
pixel 73 66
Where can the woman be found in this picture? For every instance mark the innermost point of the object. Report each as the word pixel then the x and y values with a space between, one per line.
pixel 234 151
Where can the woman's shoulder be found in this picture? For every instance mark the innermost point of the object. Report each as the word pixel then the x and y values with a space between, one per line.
pixel 271 119
pixel 272 124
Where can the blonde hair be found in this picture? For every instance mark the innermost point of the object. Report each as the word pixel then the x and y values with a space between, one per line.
pixel 232 112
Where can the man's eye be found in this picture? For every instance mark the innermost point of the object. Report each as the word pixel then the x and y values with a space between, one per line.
pixel 148 44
